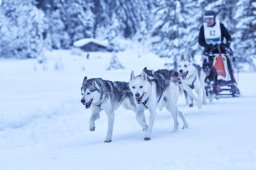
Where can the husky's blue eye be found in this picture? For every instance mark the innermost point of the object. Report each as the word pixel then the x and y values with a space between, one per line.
pixel 141 87
pixel 133 87
pixel 88 93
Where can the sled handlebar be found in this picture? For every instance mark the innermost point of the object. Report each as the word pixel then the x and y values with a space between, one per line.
pixel 219 48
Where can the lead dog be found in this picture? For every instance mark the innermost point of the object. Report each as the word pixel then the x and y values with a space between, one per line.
pixel 99 94
pixel 149 93
pixel 192 76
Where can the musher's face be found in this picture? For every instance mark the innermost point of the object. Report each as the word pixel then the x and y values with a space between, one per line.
pixel 209 21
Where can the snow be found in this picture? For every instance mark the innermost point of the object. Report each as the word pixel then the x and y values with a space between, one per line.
pixel 44 126
pixel 84 41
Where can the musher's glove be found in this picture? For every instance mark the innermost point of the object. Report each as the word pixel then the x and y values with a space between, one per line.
pixel 223 45
pixel 209 47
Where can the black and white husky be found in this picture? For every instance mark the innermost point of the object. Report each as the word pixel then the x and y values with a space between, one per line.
pixel 99 94
pixel 210 80
pixel 152 92
pixel 193 80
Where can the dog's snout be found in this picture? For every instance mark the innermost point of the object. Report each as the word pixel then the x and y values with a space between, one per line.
pixel 137 95
pixel 82 101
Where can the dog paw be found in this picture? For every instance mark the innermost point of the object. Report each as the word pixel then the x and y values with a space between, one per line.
pixel 92 128
pixel 107 140
pixel 146 138
pixel 185 127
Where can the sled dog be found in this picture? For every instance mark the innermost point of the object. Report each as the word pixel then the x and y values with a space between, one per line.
pixel 210 80
pixel 99 94
pixel 192 76
pixel 150 92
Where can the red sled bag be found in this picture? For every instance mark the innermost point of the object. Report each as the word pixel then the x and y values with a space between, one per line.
pixel 219 66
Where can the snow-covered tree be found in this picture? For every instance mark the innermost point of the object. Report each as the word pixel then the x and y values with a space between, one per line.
pixel 78 18
pixel 165 30
pixel 245 34
pixel 21 30
pixel 171 27
pixel 115 63
pixel 189 21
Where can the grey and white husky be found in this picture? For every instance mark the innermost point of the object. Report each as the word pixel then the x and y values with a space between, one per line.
pixel 99 94
pixel 152 92
pixel 192 80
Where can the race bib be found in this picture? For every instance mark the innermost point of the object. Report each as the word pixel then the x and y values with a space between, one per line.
pixel 212 34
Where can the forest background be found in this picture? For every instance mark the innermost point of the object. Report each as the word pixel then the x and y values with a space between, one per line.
pixel 166 27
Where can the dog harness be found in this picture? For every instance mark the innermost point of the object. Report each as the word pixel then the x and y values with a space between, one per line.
pixel 150 81
pixel 192 85
pixel 145 102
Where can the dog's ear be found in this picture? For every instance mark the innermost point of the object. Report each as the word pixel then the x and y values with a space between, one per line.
pixel 144 75
pixel 182 57
pixel 132 75
pixel 145 69
pixel 85 78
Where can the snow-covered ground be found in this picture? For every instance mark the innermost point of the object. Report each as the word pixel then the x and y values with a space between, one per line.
pixel 43 125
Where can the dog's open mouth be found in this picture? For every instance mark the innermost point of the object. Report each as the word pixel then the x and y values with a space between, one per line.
pixel 139 99
pixel 88 104
pixel 184 75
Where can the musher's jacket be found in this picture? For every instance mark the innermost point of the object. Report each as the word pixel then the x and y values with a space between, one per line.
pixel 213 35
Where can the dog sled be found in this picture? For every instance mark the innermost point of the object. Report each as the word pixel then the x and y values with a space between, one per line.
pixel 218 65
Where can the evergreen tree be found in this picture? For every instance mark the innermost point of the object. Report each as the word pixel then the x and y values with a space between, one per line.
pixel 171 27
pixel 245 32
pixel 189 21
pixel 22 27
pixel 165 30
pixel 78 18
pixel 58 36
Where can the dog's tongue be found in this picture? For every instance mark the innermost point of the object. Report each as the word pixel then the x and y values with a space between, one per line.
pixel 184 75
pixel 87 105
pixel 139 99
